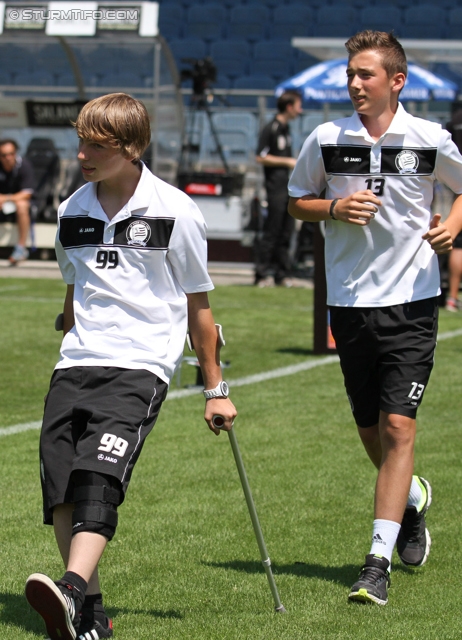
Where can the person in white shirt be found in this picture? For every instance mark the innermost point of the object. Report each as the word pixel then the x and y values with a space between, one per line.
pixel 377 169
pixel 133 253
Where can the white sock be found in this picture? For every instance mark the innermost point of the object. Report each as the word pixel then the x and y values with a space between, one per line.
pixel 416 495
pixel 384 534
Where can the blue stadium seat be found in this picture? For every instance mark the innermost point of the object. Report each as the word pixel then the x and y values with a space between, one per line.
pixel 5 78
pixel 236 147
pixel 403 4
pixel 15 57
pixel 35 78
pixel 231 56
pixel 251 82
pixel 245 122
pixel 52 58
pixel 291 20
pixel 121 81
pixel 65 80
pixel 248 21
pixel 387 19
pixel 222 82
pixel 336 21
pixel 102 59
pixel 206 21
pixel 268 3
pixel 188 48
pixel 454 29
pixel 129 61
pixel 303 61
pixel 274 58
pixel 424 21
pixel 171 19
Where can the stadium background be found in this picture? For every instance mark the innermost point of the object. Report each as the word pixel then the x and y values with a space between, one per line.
pixel 250 44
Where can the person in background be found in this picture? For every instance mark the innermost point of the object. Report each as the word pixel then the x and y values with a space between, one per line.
pixel 16 189
pixel 274 153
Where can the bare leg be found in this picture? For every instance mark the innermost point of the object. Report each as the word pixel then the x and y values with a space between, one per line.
pixel 390 446
pixel 455 272
pixel 80 553
pixel 370 438
pixel 23 221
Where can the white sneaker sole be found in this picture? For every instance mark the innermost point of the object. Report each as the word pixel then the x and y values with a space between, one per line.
pixel 45 597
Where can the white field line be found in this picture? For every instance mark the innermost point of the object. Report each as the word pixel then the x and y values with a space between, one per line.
pixel 238 382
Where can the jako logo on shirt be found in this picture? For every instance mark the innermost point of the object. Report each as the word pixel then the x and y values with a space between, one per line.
pixel 138 232
pixel 407 161
pixel 86 230
pixel 347 159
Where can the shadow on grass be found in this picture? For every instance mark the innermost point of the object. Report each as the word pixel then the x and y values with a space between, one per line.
pixel 344 575
pixel 15 611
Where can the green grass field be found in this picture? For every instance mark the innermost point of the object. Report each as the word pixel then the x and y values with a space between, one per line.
pixel 184 563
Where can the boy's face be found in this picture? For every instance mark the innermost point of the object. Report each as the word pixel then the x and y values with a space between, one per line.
pixel 100 161
pixel 371 91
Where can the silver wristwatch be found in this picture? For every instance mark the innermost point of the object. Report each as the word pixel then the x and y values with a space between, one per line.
pixel 220 391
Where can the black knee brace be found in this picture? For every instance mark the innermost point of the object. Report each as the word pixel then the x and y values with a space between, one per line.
pixel 96 498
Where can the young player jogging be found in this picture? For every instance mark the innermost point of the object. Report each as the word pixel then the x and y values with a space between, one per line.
pixel 132 250
pixel 378 169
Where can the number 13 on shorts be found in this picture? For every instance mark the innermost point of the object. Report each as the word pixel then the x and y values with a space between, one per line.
pixel 416 391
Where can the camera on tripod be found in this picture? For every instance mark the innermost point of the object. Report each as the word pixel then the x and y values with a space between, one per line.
pixel 203 73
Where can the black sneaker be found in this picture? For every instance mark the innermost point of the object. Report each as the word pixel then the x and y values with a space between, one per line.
pixel 57 603
pixel 414 542
pixel 97 632
pixel 94 623
pixel 374 580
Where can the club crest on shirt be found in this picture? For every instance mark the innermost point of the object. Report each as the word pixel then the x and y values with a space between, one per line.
pixel 407 161
pixel 138 233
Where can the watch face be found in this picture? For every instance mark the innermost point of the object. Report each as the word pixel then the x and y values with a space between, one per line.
pixel 225 389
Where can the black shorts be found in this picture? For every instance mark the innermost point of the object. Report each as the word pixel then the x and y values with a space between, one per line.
pixel 386 355
pixel 96 419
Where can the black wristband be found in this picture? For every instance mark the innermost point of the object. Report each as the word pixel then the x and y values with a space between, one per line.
pixel 331 208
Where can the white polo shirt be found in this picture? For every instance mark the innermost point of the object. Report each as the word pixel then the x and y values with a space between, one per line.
pixel 386 262
pixel 131 276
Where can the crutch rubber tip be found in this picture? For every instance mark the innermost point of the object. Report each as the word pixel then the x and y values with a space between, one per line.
pixel 281 609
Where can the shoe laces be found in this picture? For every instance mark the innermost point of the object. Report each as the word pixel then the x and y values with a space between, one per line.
pixel 374 574
pixel 411 524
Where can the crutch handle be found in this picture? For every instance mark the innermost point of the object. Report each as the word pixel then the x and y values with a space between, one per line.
pixel 218 421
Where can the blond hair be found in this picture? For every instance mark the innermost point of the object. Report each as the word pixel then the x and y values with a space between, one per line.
pixel 116 119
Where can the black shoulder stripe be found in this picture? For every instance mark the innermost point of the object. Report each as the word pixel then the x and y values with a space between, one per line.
pixel 148 233
pixel 346 159
pixel 136 232
pixel 408 161
pixel 80 231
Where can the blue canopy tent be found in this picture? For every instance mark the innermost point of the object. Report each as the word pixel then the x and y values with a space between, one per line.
pixel 327 83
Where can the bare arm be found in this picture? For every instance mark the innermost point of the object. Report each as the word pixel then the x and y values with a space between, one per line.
pixel 275 161
pixel 359 208
pixel 206 345
pixel 440 235
pixel 20 196
pixel 68 311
